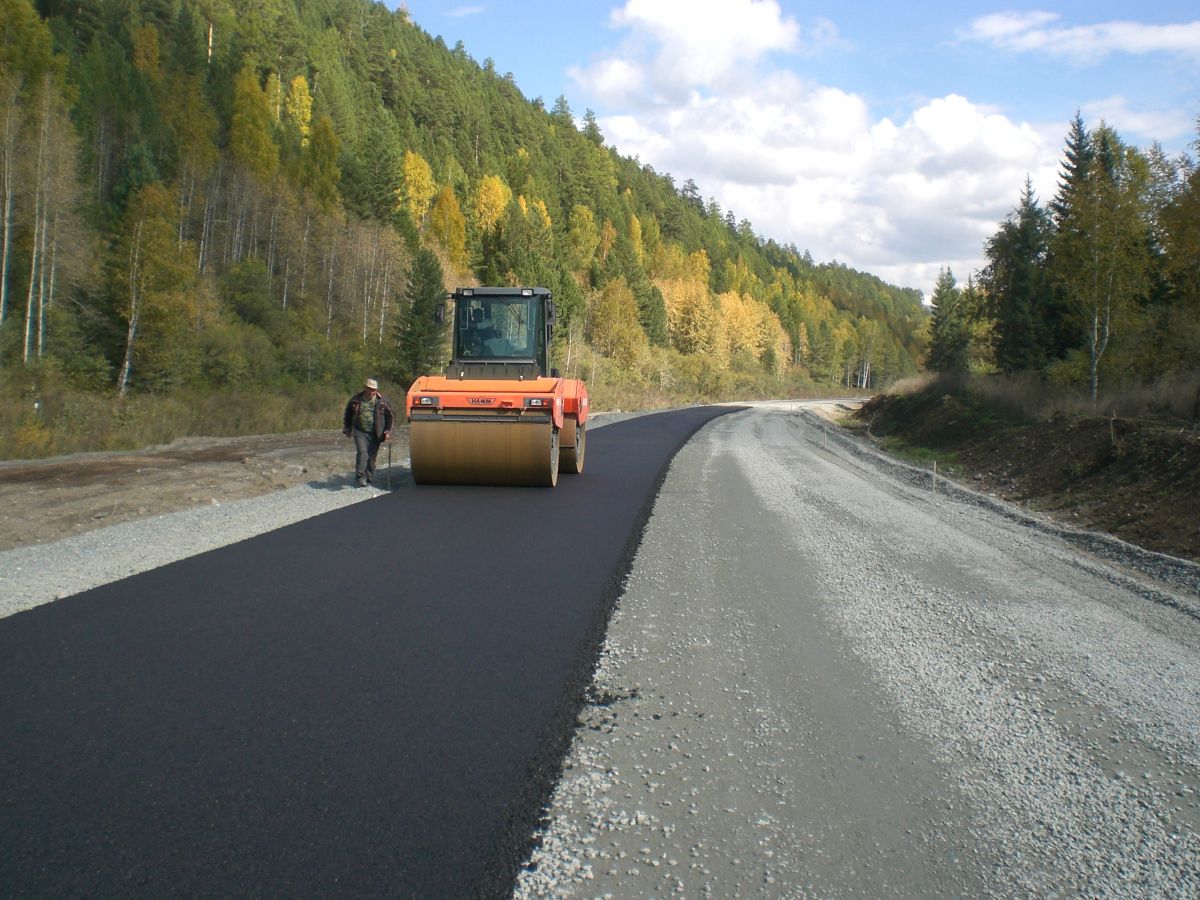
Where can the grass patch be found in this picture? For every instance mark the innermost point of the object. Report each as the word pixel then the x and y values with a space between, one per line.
pixel 923 457
pixel 41 420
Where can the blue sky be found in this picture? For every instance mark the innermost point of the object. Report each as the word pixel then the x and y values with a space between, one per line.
pixel 891 138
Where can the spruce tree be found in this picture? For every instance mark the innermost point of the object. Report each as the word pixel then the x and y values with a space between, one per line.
pixel 1016 284
pixel 419 336
pixel 950 327
pixel 1077 164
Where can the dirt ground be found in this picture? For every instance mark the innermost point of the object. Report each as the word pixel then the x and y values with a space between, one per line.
pixel 1133 478
pixel 49 499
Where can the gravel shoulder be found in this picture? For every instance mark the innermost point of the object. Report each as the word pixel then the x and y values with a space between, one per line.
pixel 826 680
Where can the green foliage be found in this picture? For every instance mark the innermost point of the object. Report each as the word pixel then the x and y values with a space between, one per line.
pixel 950 327
pixel 1017 286
pixel 1105 287
pixel 234 221
pixel 320 172
pixel 419 337
pixel 250 141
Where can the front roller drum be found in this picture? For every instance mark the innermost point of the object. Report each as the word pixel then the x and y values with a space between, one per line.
pixel 499 453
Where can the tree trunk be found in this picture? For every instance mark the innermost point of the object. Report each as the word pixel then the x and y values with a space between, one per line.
pixel 53 261
pixel 287 266
pixel 41 304
pixel 134 308
pixel 9 191
pixel 329 262
pixel 208 226
pixel 39 213
pixel 383 296
pixel 27 349
pixel 271 240
pixel 369 290
pixel 1094 355
pixel 187 191
pixel 102 160
pixel 304 253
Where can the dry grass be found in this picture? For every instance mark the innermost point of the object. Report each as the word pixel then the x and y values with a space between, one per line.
pixel 1171 398
pixel 36 423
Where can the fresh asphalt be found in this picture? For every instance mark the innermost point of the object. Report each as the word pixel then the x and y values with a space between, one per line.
pixel 375 701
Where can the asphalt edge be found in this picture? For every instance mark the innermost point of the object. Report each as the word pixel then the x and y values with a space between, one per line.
pixel 531 811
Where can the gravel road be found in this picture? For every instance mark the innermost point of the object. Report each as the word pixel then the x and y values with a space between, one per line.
pixel 824 679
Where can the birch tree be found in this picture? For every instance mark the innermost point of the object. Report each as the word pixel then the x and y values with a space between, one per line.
pixel 150 280
pixel 1100 250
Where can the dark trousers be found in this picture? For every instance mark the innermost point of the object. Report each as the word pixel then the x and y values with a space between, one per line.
pixel 366 447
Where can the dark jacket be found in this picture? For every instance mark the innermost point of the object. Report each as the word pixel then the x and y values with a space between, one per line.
pixel 383 414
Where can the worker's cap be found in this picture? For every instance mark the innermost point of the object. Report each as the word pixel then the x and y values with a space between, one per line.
pixel 372 384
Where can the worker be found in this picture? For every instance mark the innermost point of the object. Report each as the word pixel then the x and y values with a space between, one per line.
pixel 368 418
pixel 472 344
pixel 481 324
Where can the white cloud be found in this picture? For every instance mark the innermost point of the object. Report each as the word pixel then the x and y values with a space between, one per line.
pixel 808 164
pixel 463 12
pixel 672 47
pixel 1038 32
pixel 1171 125
pixel 700 41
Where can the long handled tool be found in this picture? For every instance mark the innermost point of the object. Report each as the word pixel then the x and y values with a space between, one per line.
pixel 389 474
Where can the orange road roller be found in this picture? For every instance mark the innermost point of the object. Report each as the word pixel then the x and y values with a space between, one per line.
pixel 499 415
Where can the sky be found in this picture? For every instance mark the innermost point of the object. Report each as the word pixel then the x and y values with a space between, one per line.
pixel 892 138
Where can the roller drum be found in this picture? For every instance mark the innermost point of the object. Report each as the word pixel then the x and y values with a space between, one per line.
pixel 499 453
pixel 572 445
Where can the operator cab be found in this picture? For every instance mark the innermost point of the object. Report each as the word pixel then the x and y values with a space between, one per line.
pixel 501 333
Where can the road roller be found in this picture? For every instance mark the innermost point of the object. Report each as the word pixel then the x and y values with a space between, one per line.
pixel 499 414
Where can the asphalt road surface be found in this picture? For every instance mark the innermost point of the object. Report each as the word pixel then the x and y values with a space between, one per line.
pixel 827 680
pixel 375 701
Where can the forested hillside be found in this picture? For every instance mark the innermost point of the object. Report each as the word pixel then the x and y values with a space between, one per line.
pixel 1099 290
pixel 204 197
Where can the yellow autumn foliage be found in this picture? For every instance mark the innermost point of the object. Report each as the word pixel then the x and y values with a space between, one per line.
pixel 752 327
pixel 417 185
pixel 582 237
pixel 449 228
pixel 298 107
pixel 613 323
pixel 491 200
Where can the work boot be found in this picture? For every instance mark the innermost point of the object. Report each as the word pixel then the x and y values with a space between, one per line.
pixel 360 482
